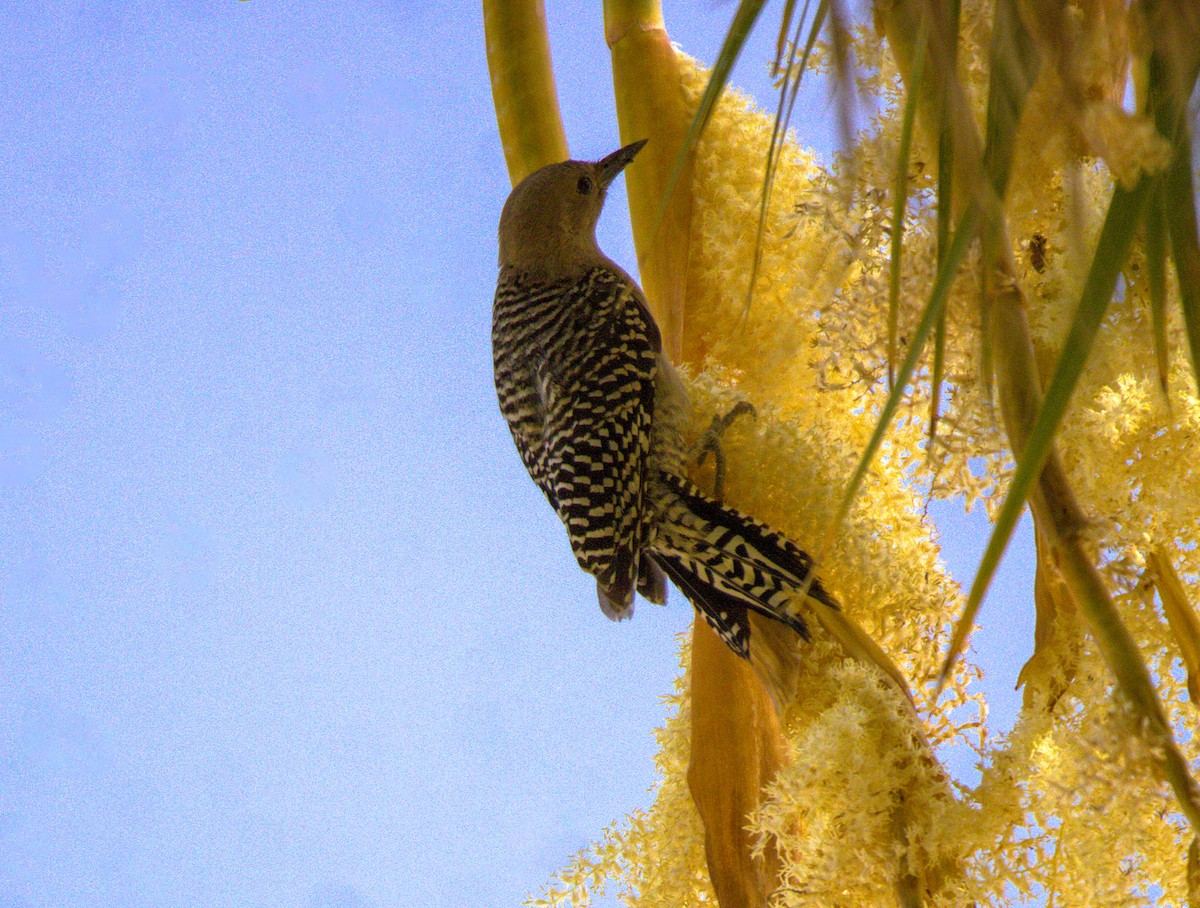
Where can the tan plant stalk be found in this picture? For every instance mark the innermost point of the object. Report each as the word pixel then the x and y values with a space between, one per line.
pixel 523 91
pixel 737 746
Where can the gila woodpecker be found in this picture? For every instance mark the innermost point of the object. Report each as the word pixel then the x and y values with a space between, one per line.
pixel 597 414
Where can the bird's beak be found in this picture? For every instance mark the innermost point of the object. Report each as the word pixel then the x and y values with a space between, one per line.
pixel 609 166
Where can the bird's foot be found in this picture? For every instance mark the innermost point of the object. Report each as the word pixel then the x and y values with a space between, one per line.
pixel 710 441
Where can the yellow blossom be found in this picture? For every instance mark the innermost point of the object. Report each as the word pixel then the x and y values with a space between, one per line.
pixel 1071 802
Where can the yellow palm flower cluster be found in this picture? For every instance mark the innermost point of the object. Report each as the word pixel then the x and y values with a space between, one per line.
pixel 1071 805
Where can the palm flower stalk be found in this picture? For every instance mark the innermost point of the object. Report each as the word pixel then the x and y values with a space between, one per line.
pixel 1037 232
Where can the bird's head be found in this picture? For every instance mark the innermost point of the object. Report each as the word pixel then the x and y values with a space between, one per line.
pixel 549 221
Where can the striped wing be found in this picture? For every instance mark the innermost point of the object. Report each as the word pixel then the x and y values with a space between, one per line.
pixel 596 385
pixel 523 314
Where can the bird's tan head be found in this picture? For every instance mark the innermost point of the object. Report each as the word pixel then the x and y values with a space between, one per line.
pixel 548 225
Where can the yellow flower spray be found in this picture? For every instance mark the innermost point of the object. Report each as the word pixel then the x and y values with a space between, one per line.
pixel 1073 804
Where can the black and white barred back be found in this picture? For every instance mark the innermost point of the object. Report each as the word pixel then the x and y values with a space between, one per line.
pixel 576 363
pixel 575 367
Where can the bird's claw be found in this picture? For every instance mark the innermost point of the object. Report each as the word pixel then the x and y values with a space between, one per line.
pixel 711 441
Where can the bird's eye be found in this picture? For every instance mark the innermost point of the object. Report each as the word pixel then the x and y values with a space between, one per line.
pixel 585 185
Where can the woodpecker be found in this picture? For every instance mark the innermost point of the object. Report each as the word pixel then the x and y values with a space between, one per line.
pixel 598 413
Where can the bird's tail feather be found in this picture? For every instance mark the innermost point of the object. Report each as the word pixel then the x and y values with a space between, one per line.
pixel 726 562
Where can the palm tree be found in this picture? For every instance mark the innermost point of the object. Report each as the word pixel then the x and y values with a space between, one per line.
pixel 974 300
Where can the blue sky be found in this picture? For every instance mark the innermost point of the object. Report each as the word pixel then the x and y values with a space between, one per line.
pixel 282 620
